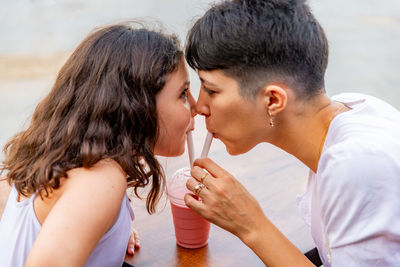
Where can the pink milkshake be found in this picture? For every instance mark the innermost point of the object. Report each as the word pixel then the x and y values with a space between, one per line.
pixel 191 230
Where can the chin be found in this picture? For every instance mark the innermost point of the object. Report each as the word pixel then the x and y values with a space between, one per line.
pixel 235 150
pixel 172 152
pixel 178 151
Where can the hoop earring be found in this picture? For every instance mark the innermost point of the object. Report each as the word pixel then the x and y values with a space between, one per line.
pixel 271 119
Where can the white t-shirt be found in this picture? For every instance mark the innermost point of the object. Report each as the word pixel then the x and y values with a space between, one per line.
pixel 352 203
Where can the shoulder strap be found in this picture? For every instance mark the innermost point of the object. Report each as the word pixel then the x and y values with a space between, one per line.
pixel 5 190
pixel 129 207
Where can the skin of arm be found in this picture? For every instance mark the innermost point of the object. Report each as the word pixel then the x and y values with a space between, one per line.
pixel 226 203
pixel 88 206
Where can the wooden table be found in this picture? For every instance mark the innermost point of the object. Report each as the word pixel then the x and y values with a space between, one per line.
pixel 274 185
pixel 159 246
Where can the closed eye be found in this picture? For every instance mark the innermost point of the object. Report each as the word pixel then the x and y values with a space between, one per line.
pixel 208 91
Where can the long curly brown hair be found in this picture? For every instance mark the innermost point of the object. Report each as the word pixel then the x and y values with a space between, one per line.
pixel 102 105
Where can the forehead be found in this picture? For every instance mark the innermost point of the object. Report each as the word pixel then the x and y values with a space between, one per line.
pixel 176 80
pixel 216 78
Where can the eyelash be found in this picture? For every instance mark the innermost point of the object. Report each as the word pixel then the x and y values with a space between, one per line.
pixel 184 93
pixel 208 91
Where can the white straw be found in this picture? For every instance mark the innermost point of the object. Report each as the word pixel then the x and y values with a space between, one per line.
pixel 207 145
pixel 190 148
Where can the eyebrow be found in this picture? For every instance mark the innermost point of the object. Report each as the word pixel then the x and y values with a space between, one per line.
pixel 207 82
pixel 185 83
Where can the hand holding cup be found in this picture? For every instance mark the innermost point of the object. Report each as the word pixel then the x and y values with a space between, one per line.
pixel 225 201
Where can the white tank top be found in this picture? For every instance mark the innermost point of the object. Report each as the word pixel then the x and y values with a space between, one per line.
pixel 19 228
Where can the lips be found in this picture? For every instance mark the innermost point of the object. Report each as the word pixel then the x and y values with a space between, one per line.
pixel 191 127
pixel 213 133
pixel 211 130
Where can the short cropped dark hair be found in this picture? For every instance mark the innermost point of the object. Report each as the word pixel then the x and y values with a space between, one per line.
pixel 260 41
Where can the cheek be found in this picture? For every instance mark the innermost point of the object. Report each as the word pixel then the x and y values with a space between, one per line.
pixel 181 124
pixel 186 119
pixel 234 124
pixel 173 127
pixel 227 118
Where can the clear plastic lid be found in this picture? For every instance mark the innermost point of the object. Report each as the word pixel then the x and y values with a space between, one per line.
pixel 176 186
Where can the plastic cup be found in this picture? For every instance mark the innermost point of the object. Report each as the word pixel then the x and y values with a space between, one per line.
pixel 191 230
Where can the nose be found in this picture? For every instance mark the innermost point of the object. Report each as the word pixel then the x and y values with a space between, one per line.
pixel 192 104
pixel 202 107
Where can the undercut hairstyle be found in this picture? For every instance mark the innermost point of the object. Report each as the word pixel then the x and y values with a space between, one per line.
pixel 261 41
pixel 102 106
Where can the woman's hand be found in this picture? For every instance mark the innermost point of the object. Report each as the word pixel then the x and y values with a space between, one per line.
pixel 225 202
pixel 134 242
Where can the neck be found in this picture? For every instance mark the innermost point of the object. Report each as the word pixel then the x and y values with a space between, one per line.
pixel 304 128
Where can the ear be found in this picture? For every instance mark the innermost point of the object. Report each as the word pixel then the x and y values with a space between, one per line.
pixel 274 98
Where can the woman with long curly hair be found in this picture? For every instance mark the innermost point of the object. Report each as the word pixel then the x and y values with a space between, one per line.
pixel 120 99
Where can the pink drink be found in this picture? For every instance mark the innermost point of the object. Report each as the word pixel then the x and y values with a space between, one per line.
pixel 191 230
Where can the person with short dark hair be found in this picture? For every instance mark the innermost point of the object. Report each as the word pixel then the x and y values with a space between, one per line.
pixel 121 98
pixel 262 65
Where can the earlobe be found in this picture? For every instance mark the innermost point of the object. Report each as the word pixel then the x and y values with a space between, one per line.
pixel 275 98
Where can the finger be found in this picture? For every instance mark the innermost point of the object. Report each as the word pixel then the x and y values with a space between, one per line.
pixel 131 248
pixel 191 185
pixel 134 242
pixel 136 238
pixel 195 205
pixel 213 168
pixel 199 173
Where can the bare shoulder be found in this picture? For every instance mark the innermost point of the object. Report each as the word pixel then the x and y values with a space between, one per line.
pixel 87 207
pixel 103 185
pixel 93 193
pixel 104 174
